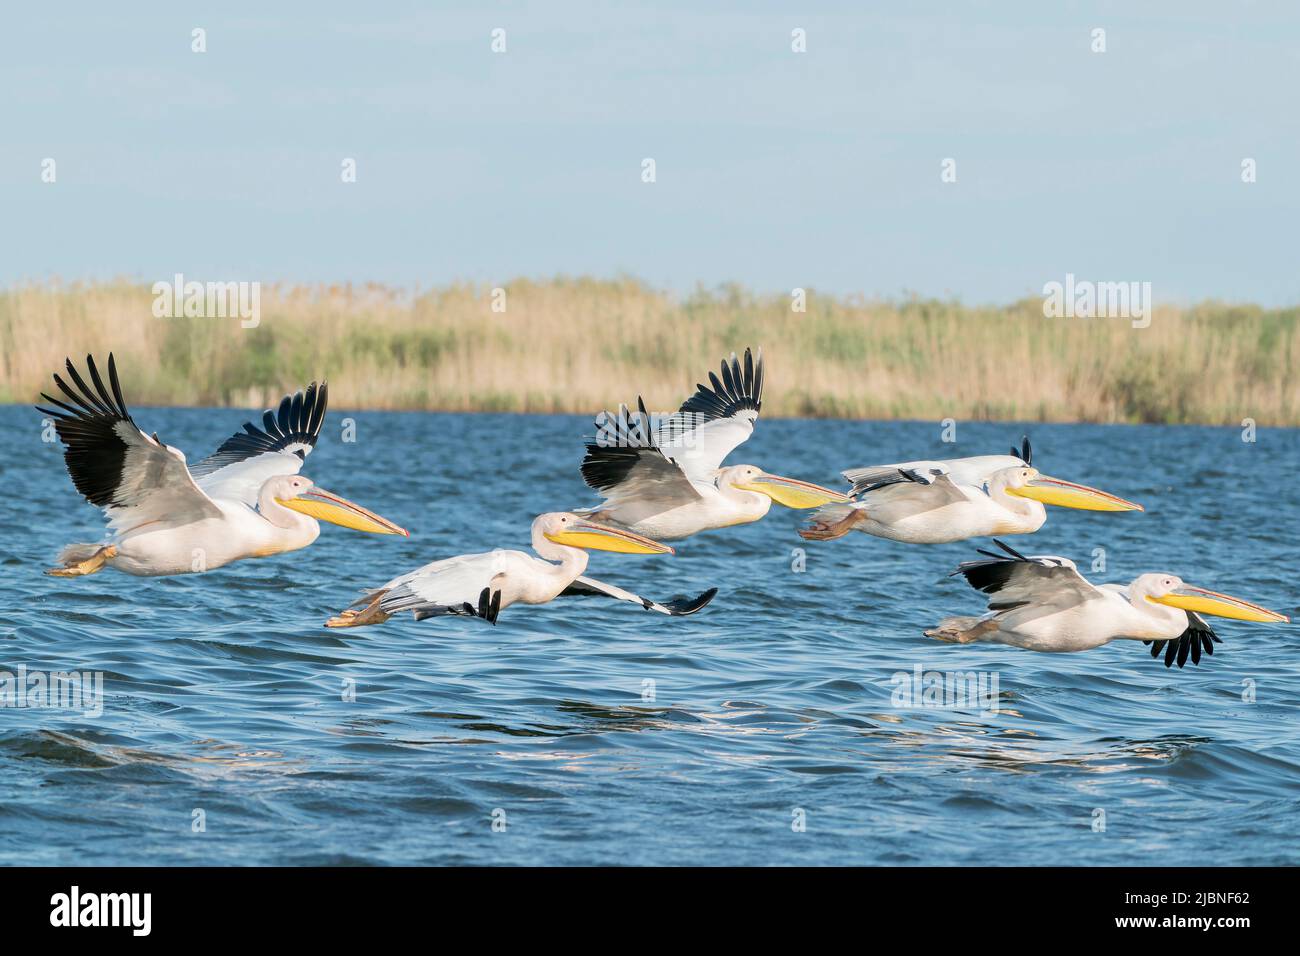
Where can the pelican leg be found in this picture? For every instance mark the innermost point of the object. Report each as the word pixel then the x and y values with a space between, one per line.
pixel 961 630
pixel 75 569
pixel 360 617
pixel 829 530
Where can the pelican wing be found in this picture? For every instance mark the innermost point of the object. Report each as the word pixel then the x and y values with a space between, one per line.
pixel 677 607
pixel 469 584
pixel 922 489
pixel 1014 580
pixel 964 471
pixel 247 459
pixel 900 495
pixel 973 471
pixel 716 419
pixel 627 467
pixel 135 478
pixel 1198 637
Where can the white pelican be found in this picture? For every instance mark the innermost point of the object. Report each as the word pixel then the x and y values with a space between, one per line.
pixel 667 482
pixel 936 502
pixel 1043 603
pixel 482 585
pixel 247 500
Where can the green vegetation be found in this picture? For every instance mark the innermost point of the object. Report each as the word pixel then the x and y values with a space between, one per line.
pixel 579 345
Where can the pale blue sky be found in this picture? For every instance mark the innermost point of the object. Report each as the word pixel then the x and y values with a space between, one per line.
pixel 774 169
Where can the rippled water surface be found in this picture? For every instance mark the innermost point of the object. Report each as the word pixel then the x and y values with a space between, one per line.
pixel 606 734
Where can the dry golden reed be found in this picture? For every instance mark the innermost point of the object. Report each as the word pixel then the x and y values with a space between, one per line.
pixel 579 345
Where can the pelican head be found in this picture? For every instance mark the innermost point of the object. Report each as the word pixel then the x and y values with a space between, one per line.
pixel 790 492
pixel 299 493
pixel 1168 589
pixel 572 531
pixel 1024 481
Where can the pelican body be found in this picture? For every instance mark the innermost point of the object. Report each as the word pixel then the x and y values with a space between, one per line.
pixel 245 501
pixel 938 502
pixel 1043 603
pixel 667 481
pixel 482 585
pixel 739 494
pixel 234 533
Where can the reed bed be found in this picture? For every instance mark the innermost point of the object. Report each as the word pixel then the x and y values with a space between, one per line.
pixel 578 345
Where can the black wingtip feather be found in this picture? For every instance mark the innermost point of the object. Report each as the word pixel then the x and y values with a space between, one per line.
pixel 117 387
pixel 95 454
pixel 297 421
pixel 738 389
pixel 1024 452
pixel 992 575
pixel 610 460
pixel 682 606
pixel 489 605
pixel 1198 639
pixel 1009 550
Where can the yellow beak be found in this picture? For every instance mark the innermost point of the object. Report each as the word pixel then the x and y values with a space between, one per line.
pixel 326 506
pixel 792 492
pixel 1220 605
pixel 603 537
pixel 1066 494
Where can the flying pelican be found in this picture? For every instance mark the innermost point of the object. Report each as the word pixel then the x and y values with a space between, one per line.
pixel 1043 603
pixel 482 585
pixel 245 501
pixel 668 482
pixel 935 502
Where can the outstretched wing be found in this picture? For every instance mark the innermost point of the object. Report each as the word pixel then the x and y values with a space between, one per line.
pixel 626 467
pixel 135 478
pixel 247 459
pixel 1198 637
pixel 1014 580
pixel 677 607
pixel 469 584
pixel 716 419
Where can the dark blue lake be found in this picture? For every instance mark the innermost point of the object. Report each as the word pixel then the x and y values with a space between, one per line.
pixel 600 733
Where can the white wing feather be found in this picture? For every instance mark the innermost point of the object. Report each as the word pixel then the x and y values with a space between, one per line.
pixel 676 607
pixel 700 451
pixel 243 480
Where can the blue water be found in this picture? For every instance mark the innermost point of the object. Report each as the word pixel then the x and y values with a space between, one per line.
pixel 224 693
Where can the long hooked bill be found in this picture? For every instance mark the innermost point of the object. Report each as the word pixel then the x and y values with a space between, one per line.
pixel 1220 605
pixel 1066 494
pixel 326 506
pixel 603 537
pixel 792 492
